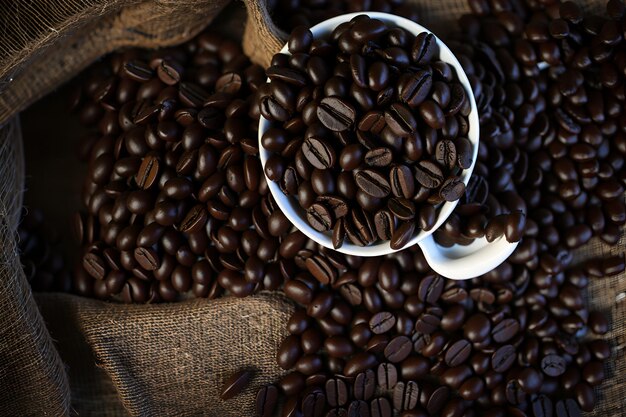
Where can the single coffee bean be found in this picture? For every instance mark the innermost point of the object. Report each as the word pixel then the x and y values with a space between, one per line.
pixel 402 235
pixel 553 365
pixel 318 152
pixel 235 384
pixel 458 353
pixel 452 189
pixel 148 172
pixel 320 217
pixel 372 183
pixel 336 114
pixel 428 174
pixel 445 153
pixel 382 322
pixel 400 119
pixel 414 89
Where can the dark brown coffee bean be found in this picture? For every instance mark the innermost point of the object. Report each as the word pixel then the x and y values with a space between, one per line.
pixel 398 349
pixel 401 208
pixel 567 408
pixel 400 119
pixel 378 157
pixel 403 233
pixel 235 384
pixel 364 385
pixel 428 174
pixel 452 189
pixel 320 217
pixel 382 322
pixel 321 269
pixel 414 89
pixel 432 114
pixel 385 225
pixel 424 48
pixel 266 400
pixel 406 395
pixel 503 358
pixel 372 183
pixel 319 153
pixel 336 114
pixel 336 392
pixel 553 365
pixel 147 258
pixel 445 153
pixel 94 265
pixel 387 376
pixel 380 407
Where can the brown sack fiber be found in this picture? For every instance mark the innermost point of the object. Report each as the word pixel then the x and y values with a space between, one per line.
pixel 164 359
pixel 44 43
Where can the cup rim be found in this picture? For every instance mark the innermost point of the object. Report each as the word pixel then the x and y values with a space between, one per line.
pixel 289 205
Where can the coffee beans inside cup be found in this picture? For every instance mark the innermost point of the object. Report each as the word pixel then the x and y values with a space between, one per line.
pixel 369 130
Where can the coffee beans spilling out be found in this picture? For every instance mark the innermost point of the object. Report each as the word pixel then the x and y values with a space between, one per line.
pixel 176 204
pixel 40 255
pixel 288 14
pixel 369 131
pixel 175 196
pixel 388 335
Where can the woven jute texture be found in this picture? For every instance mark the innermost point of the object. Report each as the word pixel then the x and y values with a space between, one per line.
pixel 44 43
pixel 79 356
pixel 169 359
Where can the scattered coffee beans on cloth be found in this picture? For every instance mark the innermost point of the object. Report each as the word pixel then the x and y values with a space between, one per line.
pixel 369 130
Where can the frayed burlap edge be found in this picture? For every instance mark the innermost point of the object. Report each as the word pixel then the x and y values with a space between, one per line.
pixel 33 381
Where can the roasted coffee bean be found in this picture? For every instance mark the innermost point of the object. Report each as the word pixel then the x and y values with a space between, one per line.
pixel 320 217
pixel 452 189
pixel 319 153
pixel 414 89
pixel 382 322
pixel 336 392
pixel 372 183
pixel 446 153
pixel 428 174
pixel 266 400
pixel 378 157
pixel 336 114
pixel 432 114
pixel 235 384
pixel 402 235
pixel 553 365
pixel 424 48
pixel 567 408
pixel 400 120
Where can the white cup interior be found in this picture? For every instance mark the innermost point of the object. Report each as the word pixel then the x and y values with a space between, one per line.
pixel 289 204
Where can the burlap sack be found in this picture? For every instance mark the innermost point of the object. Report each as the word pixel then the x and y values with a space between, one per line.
pixel 74 355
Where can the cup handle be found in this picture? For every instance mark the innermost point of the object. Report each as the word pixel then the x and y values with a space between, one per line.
pixel 465 262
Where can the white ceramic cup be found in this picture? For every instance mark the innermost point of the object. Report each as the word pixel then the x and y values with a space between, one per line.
pixel 456 262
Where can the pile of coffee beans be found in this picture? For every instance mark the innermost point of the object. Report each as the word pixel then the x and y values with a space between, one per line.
pixel 289 14
pixel 388 335
pixel 175 196
pixel 369 130
pixel 176 204
pixel 40 254
pixel 554 138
